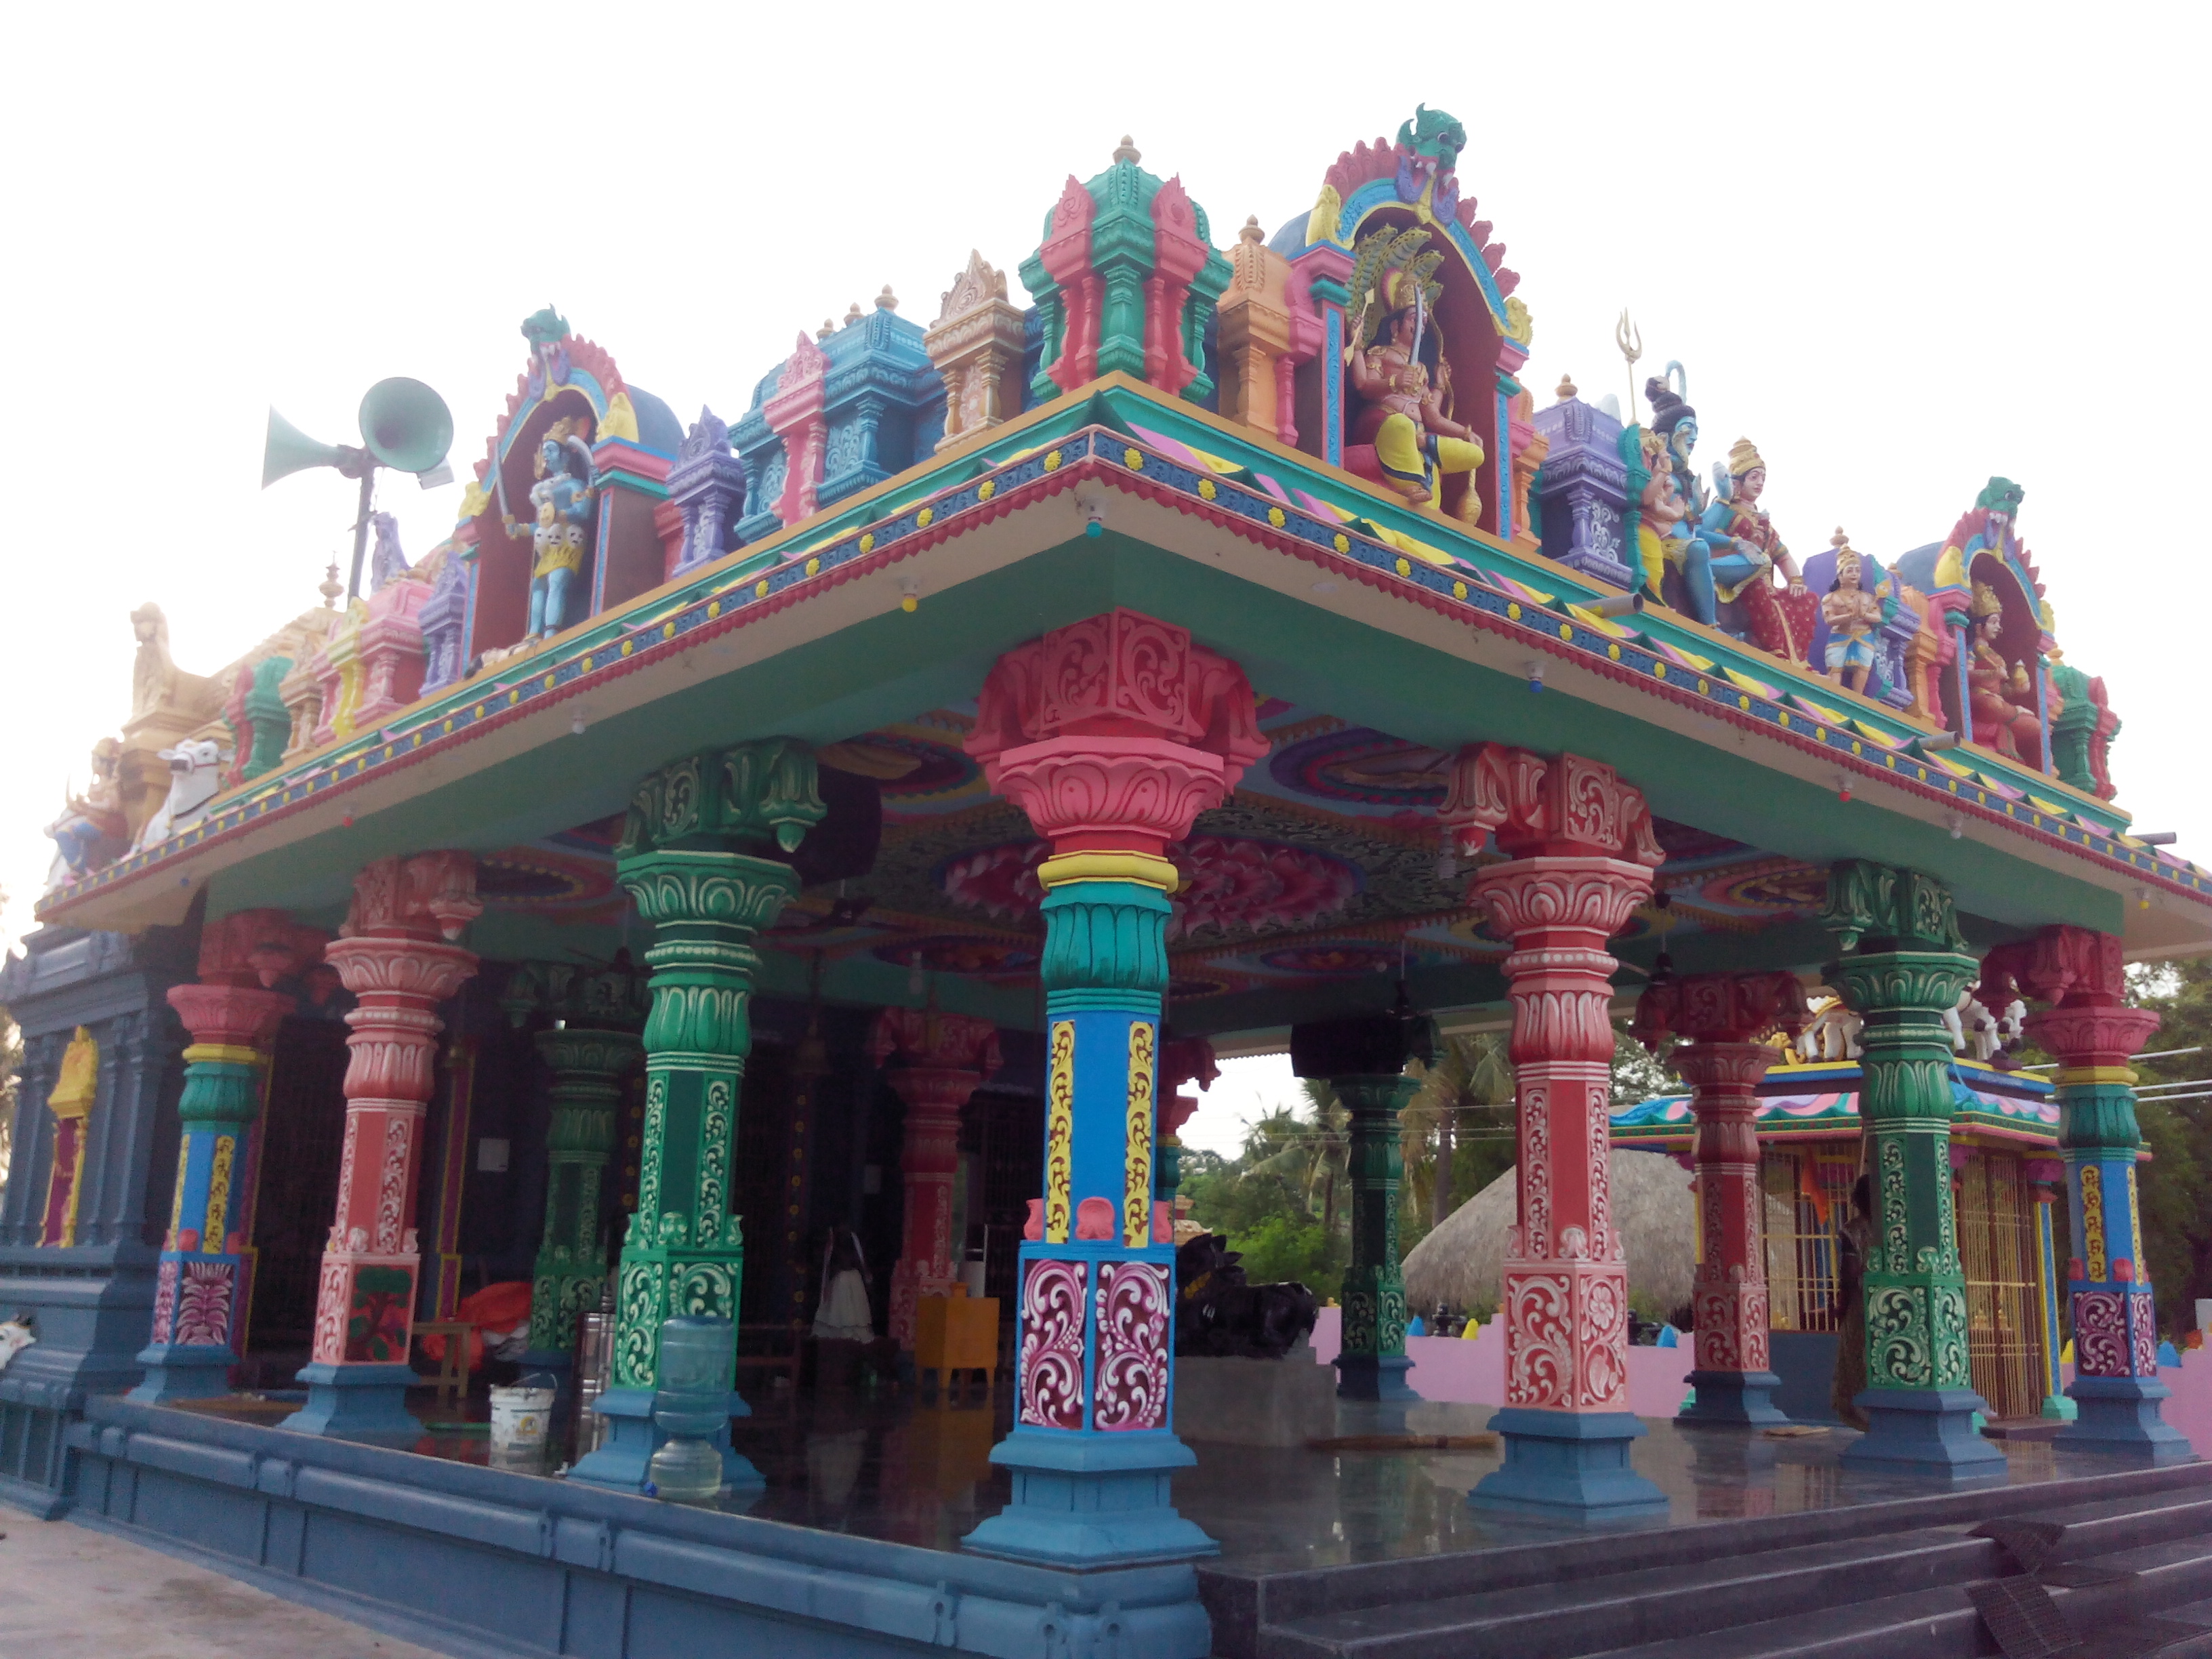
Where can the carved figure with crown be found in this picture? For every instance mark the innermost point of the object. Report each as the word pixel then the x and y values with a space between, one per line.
pixel 1780 622
pixel 565 497
pixel 1402 374
pixel 2000 692
pixel 1852 611
pixel 91 830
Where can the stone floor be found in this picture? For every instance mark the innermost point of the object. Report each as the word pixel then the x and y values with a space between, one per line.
pixel 73 1594
pixel 886 1465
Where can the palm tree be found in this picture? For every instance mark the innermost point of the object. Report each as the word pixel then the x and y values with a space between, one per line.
pixel 1469 1089
pixel 1302 1156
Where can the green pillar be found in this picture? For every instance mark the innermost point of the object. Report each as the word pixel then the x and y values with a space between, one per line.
pixel 1372 1363
pixel 588 1067
pixel 698 853
pixel 1903 966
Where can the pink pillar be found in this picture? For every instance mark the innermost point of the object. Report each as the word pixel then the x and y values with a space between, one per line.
pixel 941 1060
pixel 395 957
pixel 1580 851
pixel 1723 1016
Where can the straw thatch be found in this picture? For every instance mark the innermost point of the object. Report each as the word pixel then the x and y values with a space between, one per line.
pixel 1463 1261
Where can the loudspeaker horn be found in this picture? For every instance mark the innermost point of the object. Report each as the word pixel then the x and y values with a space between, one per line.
pixel 288 450
pixel 405 425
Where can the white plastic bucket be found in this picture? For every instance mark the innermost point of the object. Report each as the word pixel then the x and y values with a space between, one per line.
pixel 519 1416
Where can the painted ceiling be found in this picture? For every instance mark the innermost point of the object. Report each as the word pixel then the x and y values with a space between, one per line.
pixel 1324 866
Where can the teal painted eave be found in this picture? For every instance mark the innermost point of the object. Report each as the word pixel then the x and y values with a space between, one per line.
pixel 992 541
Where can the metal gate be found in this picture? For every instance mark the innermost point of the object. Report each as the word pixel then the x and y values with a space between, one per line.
pixel 1998 1246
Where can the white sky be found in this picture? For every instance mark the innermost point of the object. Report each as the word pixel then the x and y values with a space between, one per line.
pixel 1901 249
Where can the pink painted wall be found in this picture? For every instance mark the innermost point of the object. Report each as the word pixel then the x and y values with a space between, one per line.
pixel 1452 1370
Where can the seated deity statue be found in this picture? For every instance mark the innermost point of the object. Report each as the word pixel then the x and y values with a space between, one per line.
pixel 91 830
pixel 1672 529
pixel 563 497
pixel 1745 571
pixel 2001 694
pixel 1403 377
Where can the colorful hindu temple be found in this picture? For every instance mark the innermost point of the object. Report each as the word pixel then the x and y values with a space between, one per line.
pixel 826 841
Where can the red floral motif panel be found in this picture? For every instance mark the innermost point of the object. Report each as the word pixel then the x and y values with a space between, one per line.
pixel 1540 1355
pixel 204 1304
pixel 1052 1344
pixel 2100 1333
pixel 165 1301
pixel 1132 1346
pixel 2143 1319
pixel 1602 1340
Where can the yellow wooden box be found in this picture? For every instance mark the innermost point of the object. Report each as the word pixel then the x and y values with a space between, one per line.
pixel 955 1332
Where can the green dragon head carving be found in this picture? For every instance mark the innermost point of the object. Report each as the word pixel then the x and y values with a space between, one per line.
pixel 1434 134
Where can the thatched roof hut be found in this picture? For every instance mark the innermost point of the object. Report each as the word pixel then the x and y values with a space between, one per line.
pixel 1462 1262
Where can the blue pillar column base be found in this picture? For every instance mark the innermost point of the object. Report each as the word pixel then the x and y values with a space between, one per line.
pixel 1568 1466
pixel 356 1403
pixel 1731 1397
pixel 1374 1376
pixel 176 1371
pixel 1091 1500
pixel 1925 1433
pixel 623 1462
pixel 2119 1417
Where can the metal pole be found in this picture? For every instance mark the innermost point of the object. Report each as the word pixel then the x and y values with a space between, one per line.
pixel 361 531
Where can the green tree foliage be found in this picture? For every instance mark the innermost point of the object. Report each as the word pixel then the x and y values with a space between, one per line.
pixel 2177 1212
pixel 1284 1200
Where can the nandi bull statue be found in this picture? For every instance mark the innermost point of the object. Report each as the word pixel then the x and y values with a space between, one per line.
pixel 195 774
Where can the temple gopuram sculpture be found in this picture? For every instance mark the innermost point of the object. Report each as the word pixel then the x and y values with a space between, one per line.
pixel 1782 623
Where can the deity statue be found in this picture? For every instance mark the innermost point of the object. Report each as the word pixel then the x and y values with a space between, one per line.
pixel 91 830
pixel 563 496
pixel 1853 614
pixel 2001 695
pixel 1401 373
pixel 1675 529
pixel 1736 514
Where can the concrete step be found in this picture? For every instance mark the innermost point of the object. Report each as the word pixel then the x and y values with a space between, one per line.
pixel 1888 1577
pixel 1589 1615
pixel 1249 1604
pixel 1941 1622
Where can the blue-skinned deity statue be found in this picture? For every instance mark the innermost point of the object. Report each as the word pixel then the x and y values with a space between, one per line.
pixel 1693 542
pixel 565 498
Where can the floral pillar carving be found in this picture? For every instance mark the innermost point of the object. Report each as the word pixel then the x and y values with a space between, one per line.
pixel 395 954
pixel 2093 1034
pixel 232 1015
pixel 699 853
pixel 1721 1018
pixel 941 1060
pixel 1112 735
pixel 1903 968
pixel 588 1067
pixel 1579 856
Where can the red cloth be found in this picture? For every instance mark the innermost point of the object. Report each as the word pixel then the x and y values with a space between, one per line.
pixel 500 1307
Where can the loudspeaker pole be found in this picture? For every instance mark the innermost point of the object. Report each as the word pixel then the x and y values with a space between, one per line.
pixel 361 527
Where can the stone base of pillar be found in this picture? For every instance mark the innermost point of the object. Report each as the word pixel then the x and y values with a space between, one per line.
pixel 2119 1417
pixel 356 1403
pixel 1727 1397
pixel 175 1371
pixel 1373 1376
pixel 622 1461
pixel 1090 1501
pixel 1925 1432
pixel 1572 1466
